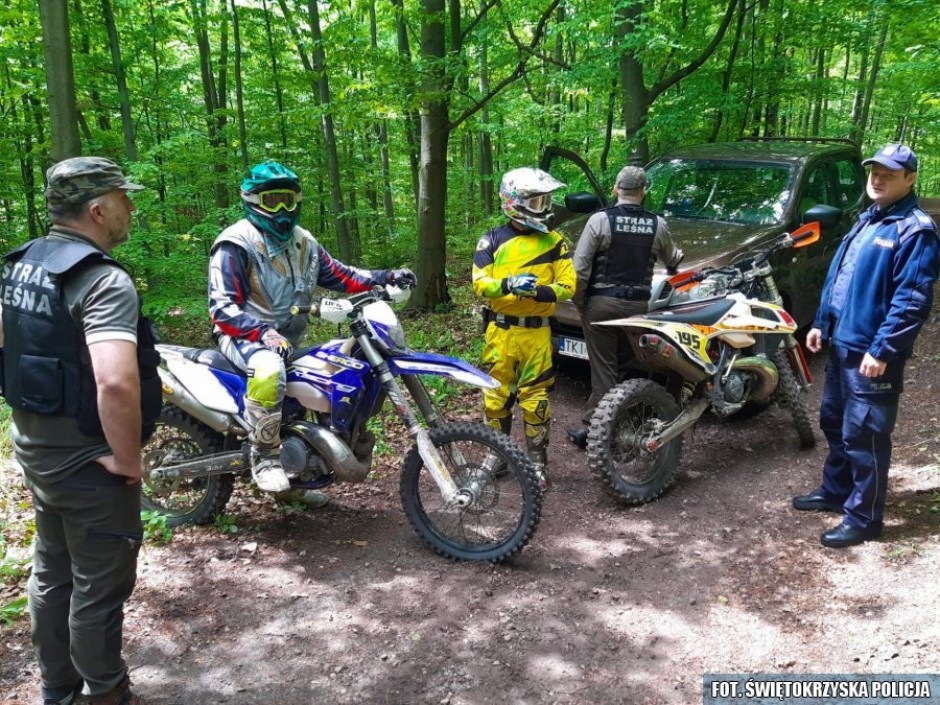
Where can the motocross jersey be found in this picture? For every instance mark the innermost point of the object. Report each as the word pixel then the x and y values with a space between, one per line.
pixel 252 288
pixel 504 252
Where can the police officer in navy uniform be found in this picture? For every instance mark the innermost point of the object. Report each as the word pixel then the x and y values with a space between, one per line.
pixel 877 295
pixel 614 264
pixel 80 372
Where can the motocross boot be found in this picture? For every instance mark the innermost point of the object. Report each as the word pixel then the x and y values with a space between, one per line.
pixel 536 441
pixel 493 464
pixel 265 439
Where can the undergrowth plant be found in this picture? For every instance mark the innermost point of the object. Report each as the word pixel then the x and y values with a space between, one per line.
pixel 17 528
pixel 155 527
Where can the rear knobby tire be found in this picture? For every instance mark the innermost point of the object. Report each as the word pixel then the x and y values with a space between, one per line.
pixel 506 499
pixel 633 475
pixel 179 436
pixel 791 395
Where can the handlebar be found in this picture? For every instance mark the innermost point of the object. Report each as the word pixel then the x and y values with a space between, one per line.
pixel 390 292
pixel 801 237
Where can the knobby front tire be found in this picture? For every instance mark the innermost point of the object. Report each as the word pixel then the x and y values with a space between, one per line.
pixel 791 394
pixel 505 499
pixel 624 415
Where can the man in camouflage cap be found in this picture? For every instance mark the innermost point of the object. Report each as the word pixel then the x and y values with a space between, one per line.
pixel 79 372
pixel 80 179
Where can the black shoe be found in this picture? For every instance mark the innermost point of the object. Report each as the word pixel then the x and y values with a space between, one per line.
pixel 843 535
pixel 578 436
pixel 816 501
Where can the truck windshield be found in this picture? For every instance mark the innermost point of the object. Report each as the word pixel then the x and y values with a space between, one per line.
pixel 736 192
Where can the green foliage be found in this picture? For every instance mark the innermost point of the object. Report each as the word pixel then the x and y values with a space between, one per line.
pixel 782 68
pixel 6 445
pixel 155 528
pixel 17 528
pixel 12 611
pixel 226 523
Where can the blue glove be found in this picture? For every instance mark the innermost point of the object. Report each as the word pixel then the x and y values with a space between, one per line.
pixel 523 284
pixel 402 278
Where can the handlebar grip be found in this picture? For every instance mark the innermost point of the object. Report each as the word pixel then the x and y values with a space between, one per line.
pixel 311 309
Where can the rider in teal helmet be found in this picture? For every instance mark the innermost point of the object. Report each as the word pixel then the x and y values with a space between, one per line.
pixel 260 269
pixel 271 194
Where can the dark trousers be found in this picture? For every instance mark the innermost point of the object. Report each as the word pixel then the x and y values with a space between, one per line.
pixel 608 347
pixel 857 417
pixel 88 534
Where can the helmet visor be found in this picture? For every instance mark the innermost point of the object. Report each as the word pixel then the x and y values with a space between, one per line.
pixel 275 200
pixel 537 204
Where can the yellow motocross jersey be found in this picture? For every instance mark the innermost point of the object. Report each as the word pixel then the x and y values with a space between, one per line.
pixel 505 252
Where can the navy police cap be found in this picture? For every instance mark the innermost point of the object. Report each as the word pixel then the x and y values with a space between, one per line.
pixel 894 156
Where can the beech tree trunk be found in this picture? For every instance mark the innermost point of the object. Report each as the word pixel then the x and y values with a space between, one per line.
pixel 60 79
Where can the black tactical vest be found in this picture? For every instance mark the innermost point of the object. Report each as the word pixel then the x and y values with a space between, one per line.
pixel 46 367
pixel 629 260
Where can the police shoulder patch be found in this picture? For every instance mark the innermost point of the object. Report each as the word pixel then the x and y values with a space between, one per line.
pixel 483 243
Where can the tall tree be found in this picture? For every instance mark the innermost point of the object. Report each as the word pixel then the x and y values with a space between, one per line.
pixel 349 246
pixel 240 91
pixel 60 79
pixel 127 122
pixel 436 128
pixel 638 98
pixel 214 98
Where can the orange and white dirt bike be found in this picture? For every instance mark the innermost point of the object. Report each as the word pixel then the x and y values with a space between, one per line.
pixel 715 338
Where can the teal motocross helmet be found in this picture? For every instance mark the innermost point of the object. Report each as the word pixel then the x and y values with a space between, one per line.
pixel 271 194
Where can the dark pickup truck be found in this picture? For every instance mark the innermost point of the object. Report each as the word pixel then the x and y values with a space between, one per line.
pixel 723 200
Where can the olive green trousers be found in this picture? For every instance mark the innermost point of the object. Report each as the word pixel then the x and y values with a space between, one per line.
pixel 88 535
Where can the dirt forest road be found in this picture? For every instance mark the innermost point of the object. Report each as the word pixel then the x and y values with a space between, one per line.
pixel 344 605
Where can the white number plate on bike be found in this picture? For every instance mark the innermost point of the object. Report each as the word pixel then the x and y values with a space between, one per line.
pixel 572 347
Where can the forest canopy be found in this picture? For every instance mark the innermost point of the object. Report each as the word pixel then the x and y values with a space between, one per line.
pixel 400 115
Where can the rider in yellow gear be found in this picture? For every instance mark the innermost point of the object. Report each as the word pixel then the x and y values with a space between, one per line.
pixel 522 269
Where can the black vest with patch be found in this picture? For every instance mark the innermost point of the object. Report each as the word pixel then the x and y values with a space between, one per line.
pixel 629 260
pixel 45 364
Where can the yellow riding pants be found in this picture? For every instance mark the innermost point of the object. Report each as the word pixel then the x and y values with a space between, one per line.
pixel 520 359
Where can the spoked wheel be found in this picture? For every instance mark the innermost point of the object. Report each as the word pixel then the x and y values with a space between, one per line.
pixel 499 502
pixel 627 413
pixel 791 394
pixel 178 437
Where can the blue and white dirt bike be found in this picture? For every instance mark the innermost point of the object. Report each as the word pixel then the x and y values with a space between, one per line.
pixel 469 491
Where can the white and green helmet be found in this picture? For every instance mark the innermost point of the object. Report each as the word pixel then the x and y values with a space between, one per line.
pixel 526 196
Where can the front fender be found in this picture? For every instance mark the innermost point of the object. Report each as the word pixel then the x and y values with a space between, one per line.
pixel 417 363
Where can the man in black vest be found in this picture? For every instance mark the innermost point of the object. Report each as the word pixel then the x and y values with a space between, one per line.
pixel 79 370
pixel 614 264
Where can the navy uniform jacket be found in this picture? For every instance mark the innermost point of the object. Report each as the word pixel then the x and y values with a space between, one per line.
pixel 891 291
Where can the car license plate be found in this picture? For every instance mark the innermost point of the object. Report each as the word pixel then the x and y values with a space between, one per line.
pixel 572 347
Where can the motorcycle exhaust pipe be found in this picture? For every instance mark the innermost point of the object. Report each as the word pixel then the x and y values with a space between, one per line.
pixel 176 394
pixel 338 456
pixel 657 345
pixel 215 464
pixel 763 371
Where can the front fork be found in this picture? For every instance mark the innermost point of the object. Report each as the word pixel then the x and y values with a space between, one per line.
pixel 794 350
pixel 426 449
pixel 798 362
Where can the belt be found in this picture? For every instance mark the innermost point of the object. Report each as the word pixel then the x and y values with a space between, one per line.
pixel 632 293
pixel 503 321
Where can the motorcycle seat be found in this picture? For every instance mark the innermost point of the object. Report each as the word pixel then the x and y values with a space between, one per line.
pixel 704 313
pixel 212 358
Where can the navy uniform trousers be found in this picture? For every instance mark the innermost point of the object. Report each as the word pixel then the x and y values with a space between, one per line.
pixel 857 416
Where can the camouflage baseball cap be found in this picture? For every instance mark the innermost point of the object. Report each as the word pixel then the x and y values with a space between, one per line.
pixel 79 179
